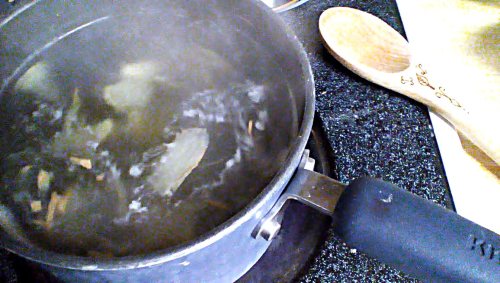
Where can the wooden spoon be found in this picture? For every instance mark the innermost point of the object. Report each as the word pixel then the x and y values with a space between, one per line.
pixel 375 51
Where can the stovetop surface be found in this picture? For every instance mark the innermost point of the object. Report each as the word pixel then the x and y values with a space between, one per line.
pixel 370 131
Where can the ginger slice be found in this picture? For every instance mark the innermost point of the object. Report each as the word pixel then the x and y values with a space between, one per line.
pixel 182 156
pixel 85 163
pixel 43 180
pixel 36 206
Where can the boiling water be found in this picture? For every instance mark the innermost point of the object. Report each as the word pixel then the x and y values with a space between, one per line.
pixel 142 160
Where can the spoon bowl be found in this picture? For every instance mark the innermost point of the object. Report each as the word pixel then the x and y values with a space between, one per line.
pixel 375 51
pixel 369 41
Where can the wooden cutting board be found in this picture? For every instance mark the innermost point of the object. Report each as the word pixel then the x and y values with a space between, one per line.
pixel 460 41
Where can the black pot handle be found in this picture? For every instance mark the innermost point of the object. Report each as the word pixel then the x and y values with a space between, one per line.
pixel 414 235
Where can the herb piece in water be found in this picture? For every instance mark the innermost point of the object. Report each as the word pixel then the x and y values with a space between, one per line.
pixel 183 155
pixel 36 206
pixel 78 137
pixel 134 90
pixel 51 210
pixel 43 180
pixel 85 163
pixel 57 206
pixel 40 80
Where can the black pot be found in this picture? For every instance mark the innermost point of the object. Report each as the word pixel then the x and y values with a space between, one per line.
pixel 246 30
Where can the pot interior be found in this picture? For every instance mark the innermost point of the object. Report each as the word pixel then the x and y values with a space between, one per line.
pixel 135 126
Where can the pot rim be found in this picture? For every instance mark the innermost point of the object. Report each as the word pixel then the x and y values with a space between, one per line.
pixel 275 187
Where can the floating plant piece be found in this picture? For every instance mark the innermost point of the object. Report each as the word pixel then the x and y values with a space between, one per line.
pixel 43 180
pixel 135 88
pixel 36 206
pixel 183 155
pixel 85 163
pixel 78 137
pixel 39 80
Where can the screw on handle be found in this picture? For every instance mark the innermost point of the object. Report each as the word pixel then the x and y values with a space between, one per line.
pixel 414 235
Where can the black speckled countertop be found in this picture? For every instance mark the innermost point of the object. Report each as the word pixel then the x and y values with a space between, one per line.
pixel 373 132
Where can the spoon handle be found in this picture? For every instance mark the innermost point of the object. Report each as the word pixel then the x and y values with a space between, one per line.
pixel 415 83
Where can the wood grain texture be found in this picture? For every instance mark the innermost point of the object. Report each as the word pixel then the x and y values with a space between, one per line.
pixel 375 51
pixel 461 41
